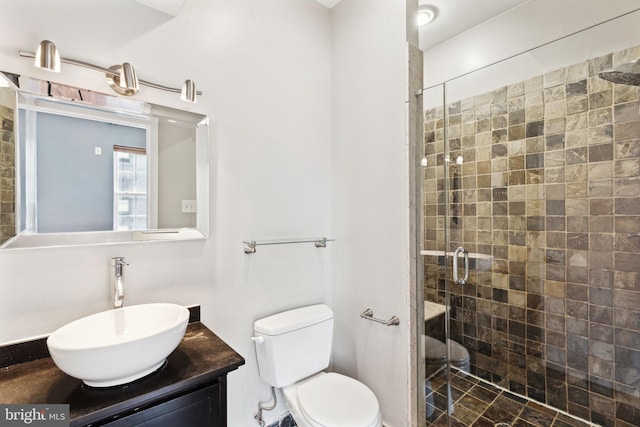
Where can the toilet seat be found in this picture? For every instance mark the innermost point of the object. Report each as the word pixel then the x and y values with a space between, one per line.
pixel 337 400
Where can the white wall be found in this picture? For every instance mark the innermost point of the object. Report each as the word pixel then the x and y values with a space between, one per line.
pixel 264 68
pixel 370 197
pixel 177 181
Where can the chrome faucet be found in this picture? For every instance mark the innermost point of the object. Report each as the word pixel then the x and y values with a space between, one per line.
pixel 117 280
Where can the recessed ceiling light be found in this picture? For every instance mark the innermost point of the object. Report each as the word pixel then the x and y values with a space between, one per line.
pixel 426 15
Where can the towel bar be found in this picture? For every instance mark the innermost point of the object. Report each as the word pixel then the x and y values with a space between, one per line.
pixel 368 314
pixel 250 245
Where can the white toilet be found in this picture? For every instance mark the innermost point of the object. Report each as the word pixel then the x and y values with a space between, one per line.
pixel 293 349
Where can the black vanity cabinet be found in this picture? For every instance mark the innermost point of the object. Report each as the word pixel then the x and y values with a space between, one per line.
pixel 189 390
pixel 202 407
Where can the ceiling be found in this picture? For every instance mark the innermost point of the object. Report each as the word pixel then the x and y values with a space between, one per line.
pixel 170 7
pixel 454 16
pixel 457 16
pixel 328 3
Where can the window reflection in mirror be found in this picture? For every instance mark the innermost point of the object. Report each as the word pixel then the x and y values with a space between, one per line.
pixel 130 188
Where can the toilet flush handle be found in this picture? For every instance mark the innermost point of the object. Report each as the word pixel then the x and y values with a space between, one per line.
pixel 258 340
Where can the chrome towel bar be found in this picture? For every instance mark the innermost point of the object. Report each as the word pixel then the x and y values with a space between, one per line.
pixel 368 314
pixel 250 245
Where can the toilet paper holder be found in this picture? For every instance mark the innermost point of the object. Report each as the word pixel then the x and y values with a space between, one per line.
pixel 368 314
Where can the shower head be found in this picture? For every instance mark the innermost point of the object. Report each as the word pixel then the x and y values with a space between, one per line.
pixel 626 74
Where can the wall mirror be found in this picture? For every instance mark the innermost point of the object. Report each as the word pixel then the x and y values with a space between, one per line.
pixel 78 167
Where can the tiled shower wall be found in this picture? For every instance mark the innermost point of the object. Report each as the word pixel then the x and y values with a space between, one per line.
pixel 7 174
pixel 548 188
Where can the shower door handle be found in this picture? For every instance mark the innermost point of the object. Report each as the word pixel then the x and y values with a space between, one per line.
pixel 456 279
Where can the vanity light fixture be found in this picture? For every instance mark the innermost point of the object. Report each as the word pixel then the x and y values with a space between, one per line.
pixel 121 78
pixel 47 56
pixel 188 91
pixel 124 79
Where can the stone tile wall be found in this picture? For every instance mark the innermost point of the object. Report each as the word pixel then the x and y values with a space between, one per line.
pixel 549 187
pixel 7 174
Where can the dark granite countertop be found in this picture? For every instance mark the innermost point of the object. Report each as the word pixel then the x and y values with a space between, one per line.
pixel 200 358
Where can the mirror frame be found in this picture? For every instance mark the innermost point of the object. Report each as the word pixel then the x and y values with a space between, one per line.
pixel 104 104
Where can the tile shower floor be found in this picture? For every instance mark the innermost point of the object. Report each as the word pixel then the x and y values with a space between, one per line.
pixel 479 404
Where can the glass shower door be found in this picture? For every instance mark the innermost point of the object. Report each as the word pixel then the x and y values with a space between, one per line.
pixel 532 182
pixel 435 255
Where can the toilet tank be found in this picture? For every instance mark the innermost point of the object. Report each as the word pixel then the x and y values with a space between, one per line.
pixel 294 344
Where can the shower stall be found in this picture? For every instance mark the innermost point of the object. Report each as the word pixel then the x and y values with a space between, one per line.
pixel 529 241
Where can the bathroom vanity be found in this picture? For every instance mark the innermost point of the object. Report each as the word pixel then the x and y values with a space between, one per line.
pixel 190 389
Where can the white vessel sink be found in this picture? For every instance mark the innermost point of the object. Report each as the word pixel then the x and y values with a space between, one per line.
pixel 118 346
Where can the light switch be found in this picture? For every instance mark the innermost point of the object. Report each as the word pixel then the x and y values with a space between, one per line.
pixel 188 206
pixel 98 151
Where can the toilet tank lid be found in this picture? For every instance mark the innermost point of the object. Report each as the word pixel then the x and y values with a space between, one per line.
pixel 293 319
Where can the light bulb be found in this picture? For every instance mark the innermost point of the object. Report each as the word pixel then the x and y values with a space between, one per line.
pixel 426 15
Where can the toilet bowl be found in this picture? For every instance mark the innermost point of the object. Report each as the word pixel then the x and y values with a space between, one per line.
pixel 331 399
pixel 293 349
pixel 435 354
